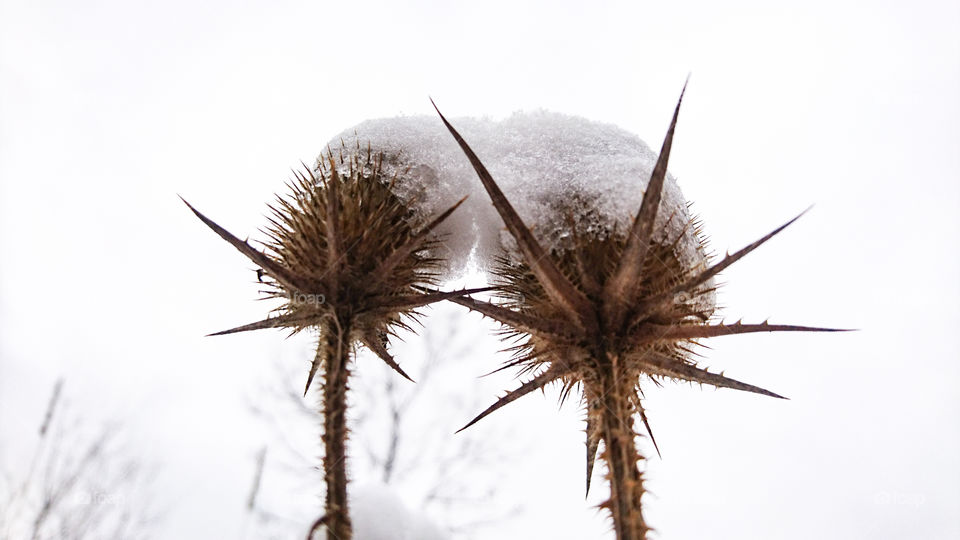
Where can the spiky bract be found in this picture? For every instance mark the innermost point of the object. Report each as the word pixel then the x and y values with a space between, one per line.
pixel 604 315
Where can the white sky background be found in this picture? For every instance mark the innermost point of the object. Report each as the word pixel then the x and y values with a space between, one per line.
pixel 110 109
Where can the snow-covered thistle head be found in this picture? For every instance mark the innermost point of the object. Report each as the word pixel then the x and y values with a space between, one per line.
pixel 607 311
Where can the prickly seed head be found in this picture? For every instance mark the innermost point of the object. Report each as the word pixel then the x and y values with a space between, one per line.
pixel 341 245
pixel 616 305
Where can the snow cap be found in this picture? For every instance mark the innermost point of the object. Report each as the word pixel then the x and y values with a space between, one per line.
pixel 549 166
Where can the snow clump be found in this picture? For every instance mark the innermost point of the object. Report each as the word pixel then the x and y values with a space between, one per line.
pixel 553 168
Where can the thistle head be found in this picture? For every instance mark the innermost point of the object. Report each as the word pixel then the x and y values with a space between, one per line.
pixel 343 249
pixel 346 237
pixel 589 260
pixel 607 309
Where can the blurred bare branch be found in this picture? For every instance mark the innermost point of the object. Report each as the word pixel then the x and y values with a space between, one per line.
pixel 79 485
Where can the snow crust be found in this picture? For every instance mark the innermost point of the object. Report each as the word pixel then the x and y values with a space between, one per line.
pixel 552 167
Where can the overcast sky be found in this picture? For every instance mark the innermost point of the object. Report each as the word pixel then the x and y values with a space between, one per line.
pixel 108 110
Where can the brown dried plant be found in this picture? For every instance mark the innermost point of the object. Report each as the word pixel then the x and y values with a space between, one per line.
pixel 604 316
pixel 346 255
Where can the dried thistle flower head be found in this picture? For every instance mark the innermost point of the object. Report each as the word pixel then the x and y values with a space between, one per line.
pixel 343 244
pixel 346 254
pixel 606 312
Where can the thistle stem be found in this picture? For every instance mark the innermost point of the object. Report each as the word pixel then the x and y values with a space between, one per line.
pixel 621 456
pixel 335 348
